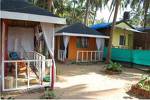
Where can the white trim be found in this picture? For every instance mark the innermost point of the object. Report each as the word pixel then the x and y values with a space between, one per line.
pixel 80 35
pixel 128 29
pixel 31 17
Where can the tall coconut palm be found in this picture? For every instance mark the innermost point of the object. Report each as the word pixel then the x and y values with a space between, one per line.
pixel 86 12
pixel 117 4
pixel 97 4
pixel 146 6
pixel 143 5
pixel 50 3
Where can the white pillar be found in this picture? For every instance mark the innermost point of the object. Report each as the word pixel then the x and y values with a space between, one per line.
pixel 3 53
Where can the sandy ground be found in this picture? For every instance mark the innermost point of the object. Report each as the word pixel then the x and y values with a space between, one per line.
pixel 90 82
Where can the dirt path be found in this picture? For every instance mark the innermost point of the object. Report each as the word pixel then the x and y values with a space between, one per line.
pixel 90 82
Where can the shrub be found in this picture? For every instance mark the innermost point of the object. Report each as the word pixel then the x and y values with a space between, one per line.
pixel 48 94
pixel 144 83
pixel 142 88
pixel 113 66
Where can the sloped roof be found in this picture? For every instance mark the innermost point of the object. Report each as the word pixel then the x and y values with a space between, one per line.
pixel 108 25
pixel 21 6
pixel 79 28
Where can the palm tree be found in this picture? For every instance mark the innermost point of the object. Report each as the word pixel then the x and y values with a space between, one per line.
pixel 146 6
pixel 74 4
pixel 87 11
pixel 97 4
pixel 117 4
pixel 49 3
pixel 137 4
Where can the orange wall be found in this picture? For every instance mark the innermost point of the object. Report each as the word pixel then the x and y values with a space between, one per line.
pixel 72 47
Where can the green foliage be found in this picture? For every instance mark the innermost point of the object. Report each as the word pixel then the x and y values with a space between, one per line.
pixel 48 94
pixel 46 78
pixel 113 66
pixel 144 83
pixel 76 10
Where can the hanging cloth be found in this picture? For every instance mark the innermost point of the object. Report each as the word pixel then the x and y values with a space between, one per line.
pixel 100 44
pixel 48 33
pixel 66 41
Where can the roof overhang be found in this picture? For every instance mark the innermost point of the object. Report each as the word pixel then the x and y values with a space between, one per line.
pixel 31 17
pixel 80 35
pixel 130 29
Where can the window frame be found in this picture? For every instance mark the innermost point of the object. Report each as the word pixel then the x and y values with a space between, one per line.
pixel 122 40
pixel 82 42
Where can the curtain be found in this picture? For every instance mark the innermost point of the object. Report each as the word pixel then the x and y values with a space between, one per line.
pixel 48 33
pixel 100 44
pixel 66 41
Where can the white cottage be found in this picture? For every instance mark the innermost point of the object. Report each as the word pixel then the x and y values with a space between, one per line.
pixel 25 30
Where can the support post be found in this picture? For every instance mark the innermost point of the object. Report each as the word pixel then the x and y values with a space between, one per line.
pixel 28 74
pixel 16 65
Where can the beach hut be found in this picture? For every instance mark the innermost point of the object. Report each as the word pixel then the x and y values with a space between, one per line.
pixel 123 33
pixel 79 43
pixel 23 26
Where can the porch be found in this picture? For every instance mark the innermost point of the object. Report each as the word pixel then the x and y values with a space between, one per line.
pixel 29 72
pixel 26 61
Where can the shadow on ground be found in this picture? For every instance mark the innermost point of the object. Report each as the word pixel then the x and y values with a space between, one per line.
pixel 77 92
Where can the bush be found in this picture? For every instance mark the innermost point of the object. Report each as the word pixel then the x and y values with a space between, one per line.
pixel 48 94
pixel 144 83
pixel 113 66
pixel 142 88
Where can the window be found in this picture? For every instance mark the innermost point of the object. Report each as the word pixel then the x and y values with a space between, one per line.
pixel 61 45
pixel 122 40
pixel 82 42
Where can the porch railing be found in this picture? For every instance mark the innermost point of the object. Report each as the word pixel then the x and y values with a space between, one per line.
pixel 89 56
pixel 35 56
pixel 12 82
pixel 61 56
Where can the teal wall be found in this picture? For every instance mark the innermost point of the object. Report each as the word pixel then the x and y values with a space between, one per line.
pixel 141 57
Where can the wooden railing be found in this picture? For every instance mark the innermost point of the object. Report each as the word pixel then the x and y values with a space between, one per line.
pixel 38 61
pixel 33 55
pixel 89 56
pixel 61 56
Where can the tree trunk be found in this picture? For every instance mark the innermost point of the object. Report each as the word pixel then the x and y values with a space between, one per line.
pixel 110 14
pixel 49 2
pixel 146 6
pixel 108 59
pixel 86 12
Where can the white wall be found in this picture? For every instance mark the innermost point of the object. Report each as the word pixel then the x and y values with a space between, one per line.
pixel 19 37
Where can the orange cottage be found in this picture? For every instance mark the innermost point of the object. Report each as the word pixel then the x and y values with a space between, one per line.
pixel 79 43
